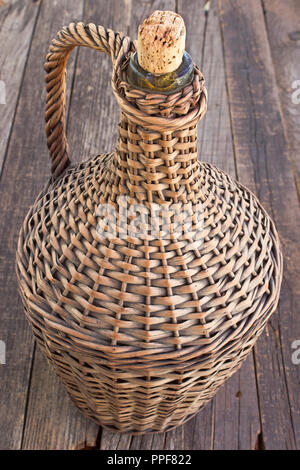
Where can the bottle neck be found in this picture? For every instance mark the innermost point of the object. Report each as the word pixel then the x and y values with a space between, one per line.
pixel 157 166
pixel 156 153
pixel 162 83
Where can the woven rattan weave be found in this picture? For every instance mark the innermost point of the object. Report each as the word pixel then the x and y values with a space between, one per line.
pixel 143 330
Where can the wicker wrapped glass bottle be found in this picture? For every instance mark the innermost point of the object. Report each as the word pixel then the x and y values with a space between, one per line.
pixel 146 275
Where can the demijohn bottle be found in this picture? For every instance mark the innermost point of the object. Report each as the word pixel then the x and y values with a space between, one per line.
pixel 146 274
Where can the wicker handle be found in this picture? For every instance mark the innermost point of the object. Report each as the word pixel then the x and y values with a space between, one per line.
pixel 114 44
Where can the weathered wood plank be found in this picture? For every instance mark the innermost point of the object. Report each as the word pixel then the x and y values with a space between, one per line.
pixel 263 165
pixel 25 171
pixel 205 45
pixel 283 27
pixel 92 97
pixel 232 420
pixel 196 433
pixel 52 421
pixel 66 427
pixel 16 28
pixel 236 414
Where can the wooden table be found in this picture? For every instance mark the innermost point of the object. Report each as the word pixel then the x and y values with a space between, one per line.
pixel 249 54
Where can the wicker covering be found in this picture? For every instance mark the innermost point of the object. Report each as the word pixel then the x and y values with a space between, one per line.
pixel 143 331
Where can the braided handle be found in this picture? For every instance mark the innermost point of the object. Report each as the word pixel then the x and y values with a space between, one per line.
pixel 115 44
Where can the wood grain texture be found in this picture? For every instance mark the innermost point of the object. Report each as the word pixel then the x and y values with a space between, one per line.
pixel 263 165
pixel 16 29
pixel 92 97
pixel 25 172
pixel 197 433
pixel 228 428
pixel 53 423
pixel 283 28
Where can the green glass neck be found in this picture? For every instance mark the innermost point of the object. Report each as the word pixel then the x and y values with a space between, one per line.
pixel 162 83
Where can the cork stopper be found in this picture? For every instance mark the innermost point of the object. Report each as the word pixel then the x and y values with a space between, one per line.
pixel 161 42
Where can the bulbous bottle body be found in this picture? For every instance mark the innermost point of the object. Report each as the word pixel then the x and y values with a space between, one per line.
pixel 146 275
